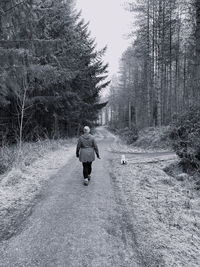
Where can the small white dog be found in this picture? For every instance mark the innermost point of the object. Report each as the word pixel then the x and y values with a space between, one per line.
pixel 123 160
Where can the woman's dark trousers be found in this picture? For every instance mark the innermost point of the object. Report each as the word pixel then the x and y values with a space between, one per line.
pixel 87 169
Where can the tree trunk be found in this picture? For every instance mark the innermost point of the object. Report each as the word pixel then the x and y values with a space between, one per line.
pixel 159 68
pixel 148 65
pixel 197 71
pixel 129 115
pixel 22 114
pixel 185 94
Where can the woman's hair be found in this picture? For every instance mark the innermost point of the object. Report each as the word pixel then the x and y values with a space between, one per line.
pixel 86 129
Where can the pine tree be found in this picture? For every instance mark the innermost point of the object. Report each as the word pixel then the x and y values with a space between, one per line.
pixel 48 45
pixel 164 66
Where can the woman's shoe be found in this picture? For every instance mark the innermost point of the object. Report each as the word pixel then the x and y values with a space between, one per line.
pixel 89 177
pixel 86 181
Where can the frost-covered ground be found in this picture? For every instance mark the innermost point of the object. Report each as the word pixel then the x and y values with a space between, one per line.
pixel 120 147
pixel 164 210
pixel 152 139
pixel 20 186
pixel 161 211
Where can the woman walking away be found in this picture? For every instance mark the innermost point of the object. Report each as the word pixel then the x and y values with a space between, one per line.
pixel 87 146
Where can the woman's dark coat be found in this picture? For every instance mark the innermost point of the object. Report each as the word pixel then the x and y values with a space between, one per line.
pixel 87 146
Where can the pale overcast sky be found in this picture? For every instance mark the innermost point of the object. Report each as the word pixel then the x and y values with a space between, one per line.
pixel 109 24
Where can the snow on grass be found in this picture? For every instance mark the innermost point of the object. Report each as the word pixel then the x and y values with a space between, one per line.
pixel 164 212
pixel 20 186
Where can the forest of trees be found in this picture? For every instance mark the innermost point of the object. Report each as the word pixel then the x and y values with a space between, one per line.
pixel 50 71
pixel 159 74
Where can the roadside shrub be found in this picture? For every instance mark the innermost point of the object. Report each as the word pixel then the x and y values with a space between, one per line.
pixel 154 138
pixel 7 158
pixel 31 151
pixel 185 136
pixel 126 134
pixel 129 135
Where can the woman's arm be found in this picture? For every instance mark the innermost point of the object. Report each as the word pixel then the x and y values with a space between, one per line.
pixel 78 147
pixel 96 148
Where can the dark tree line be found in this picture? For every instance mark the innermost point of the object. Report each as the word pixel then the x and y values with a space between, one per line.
pixel 51 73
pixel 160 72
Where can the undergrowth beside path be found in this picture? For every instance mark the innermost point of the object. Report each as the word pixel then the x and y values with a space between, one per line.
pixel 24 177
pixel 164 210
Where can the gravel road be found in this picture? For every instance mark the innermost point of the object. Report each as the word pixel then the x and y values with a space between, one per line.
pixel 74 225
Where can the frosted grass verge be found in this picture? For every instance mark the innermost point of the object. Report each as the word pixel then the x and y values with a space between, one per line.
pixel 20 186
pixel 150 140
pixel 164 213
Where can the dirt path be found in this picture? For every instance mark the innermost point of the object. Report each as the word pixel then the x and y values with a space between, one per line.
pixel 74 225
pixel 118 220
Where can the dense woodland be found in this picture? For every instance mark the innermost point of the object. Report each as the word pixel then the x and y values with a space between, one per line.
pixel 51 73
pixel 159 75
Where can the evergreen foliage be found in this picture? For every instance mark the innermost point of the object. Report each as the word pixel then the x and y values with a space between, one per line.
pixel 51 73
pixel 185 134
